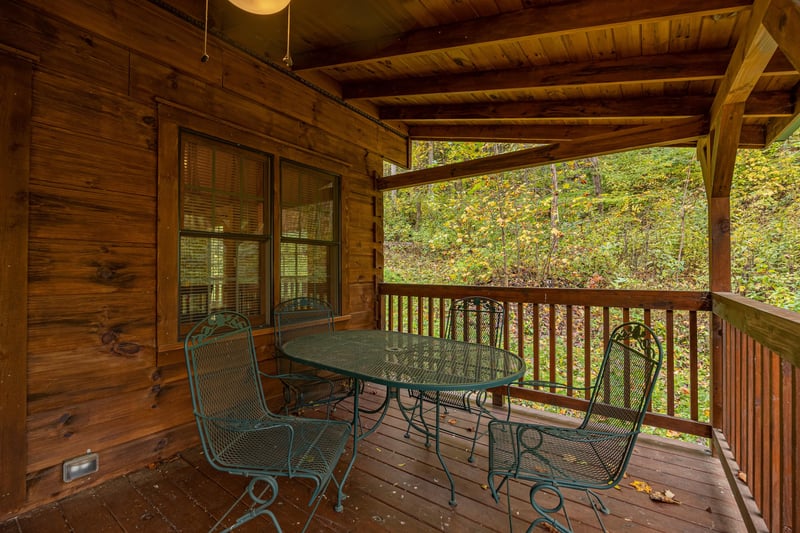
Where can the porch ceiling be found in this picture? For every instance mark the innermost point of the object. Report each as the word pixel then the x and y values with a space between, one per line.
pixel 540 71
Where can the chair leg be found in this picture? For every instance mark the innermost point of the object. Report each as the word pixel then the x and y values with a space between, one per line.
pixel 259 506
pixel 546 512
pixel 477 434
pixel 598 507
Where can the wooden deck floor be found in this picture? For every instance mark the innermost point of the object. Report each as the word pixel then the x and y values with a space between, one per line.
pixel 397 485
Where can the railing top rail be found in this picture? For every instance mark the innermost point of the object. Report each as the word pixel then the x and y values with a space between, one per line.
pixel 774 328
pixel 649 299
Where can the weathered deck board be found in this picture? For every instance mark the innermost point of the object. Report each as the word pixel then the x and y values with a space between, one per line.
pixel 397 485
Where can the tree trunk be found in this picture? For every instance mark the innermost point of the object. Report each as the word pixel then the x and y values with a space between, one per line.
pixel 554 232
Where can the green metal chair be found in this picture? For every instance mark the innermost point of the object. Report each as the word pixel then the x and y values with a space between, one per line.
pixel 594 455
pixel 474 319
pixel 239 433
pixel 307 388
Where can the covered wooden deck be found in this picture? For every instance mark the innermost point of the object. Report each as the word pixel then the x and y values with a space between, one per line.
pixel 398 485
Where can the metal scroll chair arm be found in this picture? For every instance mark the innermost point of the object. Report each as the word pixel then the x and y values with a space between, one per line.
pixel 594 455
pixel 239 433
pixel 294 385
pixel 474 319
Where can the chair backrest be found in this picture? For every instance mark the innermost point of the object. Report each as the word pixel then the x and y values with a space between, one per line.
pixel 476 319
pixel 223 377
pixel 624 386
pixel 301 316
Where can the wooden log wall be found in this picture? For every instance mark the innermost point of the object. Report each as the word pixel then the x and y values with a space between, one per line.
pixel 100 375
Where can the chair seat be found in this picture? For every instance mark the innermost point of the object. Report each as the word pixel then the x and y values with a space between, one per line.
pixel 474 319
pixel 315 447
pixel 530 452
pixel 454 399
pixel 313 392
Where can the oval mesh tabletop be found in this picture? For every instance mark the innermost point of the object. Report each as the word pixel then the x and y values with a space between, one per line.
pixel 407 360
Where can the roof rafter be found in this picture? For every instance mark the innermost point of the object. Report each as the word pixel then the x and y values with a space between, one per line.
pixel 525 23
pixel 691 66
pixel 753 135
pixel 640 137
pixel 654 107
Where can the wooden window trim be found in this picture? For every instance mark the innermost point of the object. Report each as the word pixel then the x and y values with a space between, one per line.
pixel 171 119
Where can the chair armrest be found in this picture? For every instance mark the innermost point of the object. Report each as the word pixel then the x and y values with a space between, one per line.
pixel 297 377
pixel 534 433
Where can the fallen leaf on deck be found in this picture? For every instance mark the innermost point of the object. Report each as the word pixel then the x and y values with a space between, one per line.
pixel 742 475
pixel 452 421
pixel 484 486
pixel 667 497
pixel 402 464
pixel 641 486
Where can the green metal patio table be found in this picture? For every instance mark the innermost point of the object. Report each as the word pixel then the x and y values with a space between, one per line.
pixel 406 361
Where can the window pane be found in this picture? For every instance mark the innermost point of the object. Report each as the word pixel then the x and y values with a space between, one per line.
pixel 224 230
pixel 309 233
pixel 222 188
pixel 308 270
pixel 219 274
pixel 308 203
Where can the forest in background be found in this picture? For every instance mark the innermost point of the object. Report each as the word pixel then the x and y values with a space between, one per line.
pixel 634 220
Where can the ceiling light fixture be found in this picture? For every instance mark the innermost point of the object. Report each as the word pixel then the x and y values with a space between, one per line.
pixel 261 7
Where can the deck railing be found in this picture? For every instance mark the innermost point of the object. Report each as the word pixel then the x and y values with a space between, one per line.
pixel 748 379
pixel 561 334
pixel 759 415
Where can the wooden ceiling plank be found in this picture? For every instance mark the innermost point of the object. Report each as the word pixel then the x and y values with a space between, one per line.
pixel 525 23
pixel 633 138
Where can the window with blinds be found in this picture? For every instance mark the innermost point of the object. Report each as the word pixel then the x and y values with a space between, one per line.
pixel 309 233
pixel 224 230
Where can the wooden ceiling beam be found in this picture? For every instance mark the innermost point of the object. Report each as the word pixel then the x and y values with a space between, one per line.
pixel 534 133
pixel 750 57
pixel 550 20
pixel 693 66
pixel 761 104
pixel 783 24
pixel 676 131
pixel 753 135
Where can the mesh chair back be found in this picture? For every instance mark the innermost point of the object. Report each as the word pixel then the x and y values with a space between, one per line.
pixel 224 378
pixel 476 319
pixel 301 316
pixel 624 387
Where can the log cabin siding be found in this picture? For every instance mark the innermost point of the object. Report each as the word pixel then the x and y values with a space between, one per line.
pixel 98 376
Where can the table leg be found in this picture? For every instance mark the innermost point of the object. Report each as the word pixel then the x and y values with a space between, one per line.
pixel 359 435
pixel 453 502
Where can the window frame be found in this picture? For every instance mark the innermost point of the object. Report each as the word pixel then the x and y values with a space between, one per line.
pixel 335 259
pixel 171 120
pixel 264 239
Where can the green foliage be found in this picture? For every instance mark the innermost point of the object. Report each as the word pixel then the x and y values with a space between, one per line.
pixel 634 220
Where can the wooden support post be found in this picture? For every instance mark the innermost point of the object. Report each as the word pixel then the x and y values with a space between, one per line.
pixel 16 78
pixel 719 258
